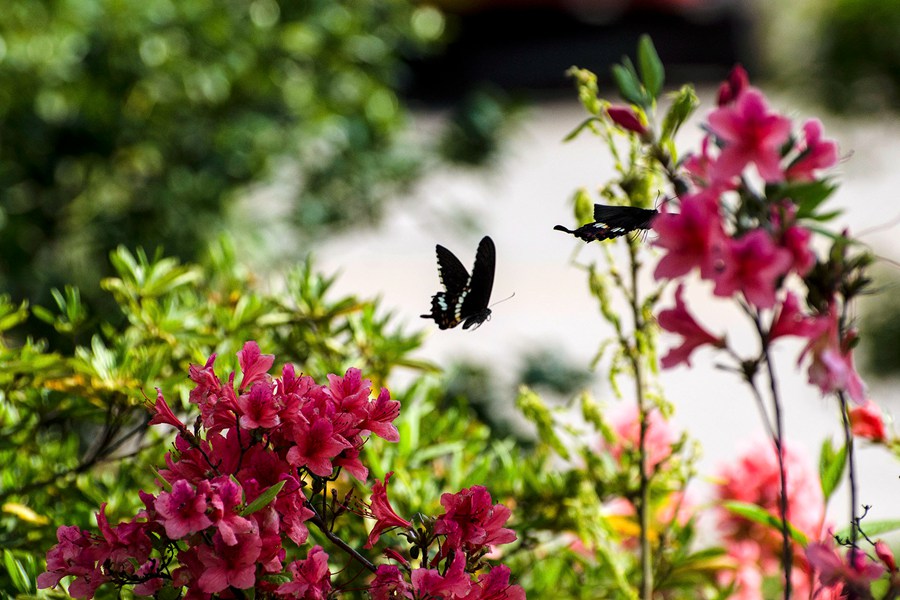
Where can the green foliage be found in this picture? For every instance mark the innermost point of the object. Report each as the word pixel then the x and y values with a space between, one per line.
pixel 73 427
pixel 137 122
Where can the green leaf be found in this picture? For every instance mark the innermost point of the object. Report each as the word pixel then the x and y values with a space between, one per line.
pixel 263 499
pixel 831 467
pixel 807 195
pixel 683 106
pixel 652 72
pixel 758 514
pixel 17 572
pixel 629 86
pixel 581 126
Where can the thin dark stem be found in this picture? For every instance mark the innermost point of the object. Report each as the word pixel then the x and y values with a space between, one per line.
pixel 644 490
pixel 851 470
pixel 787 548
pixel 319 522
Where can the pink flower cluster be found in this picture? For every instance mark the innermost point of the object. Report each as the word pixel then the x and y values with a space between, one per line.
pixel 233 500
pixel 748 244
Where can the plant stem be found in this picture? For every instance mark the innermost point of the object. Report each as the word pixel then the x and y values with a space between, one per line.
pixel 644 490
pixel 319 522
pixel 851 470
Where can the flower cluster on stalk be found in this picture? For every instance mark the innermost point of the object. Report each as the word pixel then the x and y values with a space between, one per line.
pixel 234 503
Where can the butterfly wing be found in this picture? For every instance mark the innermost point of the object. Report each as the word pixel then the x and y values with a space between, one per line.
pixel 475 298
pixel 613 221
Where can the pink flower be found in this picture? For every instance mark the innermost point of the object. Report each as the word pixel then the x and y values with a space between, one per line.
pixel 389 584
pixel 227 565
pixel 885 555
pixel 866 422
pixel 795 240
pixel 258 408
pixel 818 154
pixel 750 133
pixel 224 502
pixel 163 414
pixel 693 237
pixel 791 320
pixel 752 265
pixel 659 438
pixel 494 585
pixel 429 583
pixel 310 578
pixel 831 368
pixel 380 416
pixel 470 521
pixel 854 572
pixel 679 320
pixel 75 554
pixel 753 477
pixel 385 516
pixel 123 543
pixel 734 86
pixel 349 393
pixel 626 118
pixel 254 365
pixel 316 445
pixel 183 510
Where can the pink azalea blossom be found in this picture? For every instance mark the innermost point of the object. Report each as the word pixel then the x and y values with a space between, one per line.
pixel 854 572
pixel 310 578
pixel 384 514
pixel 454 583
pixel 679 320
pixel 316 446
pixel 752 265
pixel 791 320
pixel 831 367
pixel 227 565
pixel 349 393
pixel 471 522
pixel 866 422
pixel 380 417
pixel 389 584
pixel 183 510
pixel 259 408
pixel 886 556
pixel 163 415
pixel 254 365
pixel 692 237
pixel 76 554
pixel 123 542
pixel 750 133
pixel 734 86
pixel 817 155
pixel 795 239
pixel 224 502
pixel 626 118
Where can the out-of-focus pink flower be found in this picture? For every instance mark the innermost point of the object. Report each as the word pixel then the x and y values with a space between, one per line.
pixel 854 572
pixel 733 87
pixel 385 516
pixel 866 422
pixel 831 368
pixel 752 266
pixel 693 237
pixel 254 365
pixel 753 477
pixel 494 585
pixel 626 118
pixel 471 522
pixel 885 555
pixel 679 320
pixel 659 437
pixel 791 320
pixel 795 240
pixel 750 133
pixel 818 154
pixel 310 578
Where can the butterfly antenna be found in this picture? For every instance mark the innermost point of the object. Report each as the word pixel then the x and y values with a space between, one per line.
pixel 504 299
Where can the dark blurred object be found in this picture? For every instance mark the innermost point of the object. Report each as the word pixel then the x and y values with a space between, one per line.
pixel 527 45
pixel 880 330
pixel 857 66
pixel 549 370
pixel 477 126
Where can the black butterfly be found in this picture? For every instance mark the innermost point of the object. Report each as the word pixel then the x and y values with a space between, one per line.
pixel 465 299
pixel 613 221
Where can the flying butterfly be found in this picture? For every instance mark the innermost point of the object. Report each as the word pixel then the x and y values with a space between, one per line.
pixel 465 297
pixel 613 221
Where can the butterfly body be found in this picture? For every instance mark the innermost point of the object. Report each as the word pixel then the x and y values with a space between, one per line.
pixel 465 297
pixel 613 221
